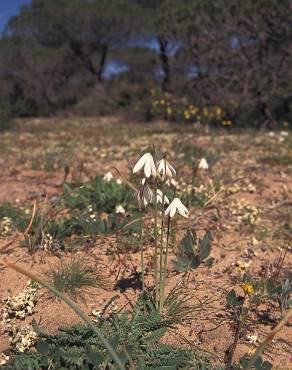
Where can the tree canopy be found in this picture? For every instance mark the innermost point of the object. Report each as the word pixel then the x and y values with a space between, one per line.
pixel 227 52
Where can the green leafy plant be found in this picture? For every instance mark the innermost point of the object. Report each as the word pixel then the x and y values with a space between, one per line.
pixel 135 336
pixel 105 343
pixel 99 195
pixel 17 216
pixel 259 364
pixel 192 251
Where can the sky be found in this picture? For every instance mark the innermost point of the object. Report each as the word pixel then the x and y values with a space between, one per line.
pixel 9 8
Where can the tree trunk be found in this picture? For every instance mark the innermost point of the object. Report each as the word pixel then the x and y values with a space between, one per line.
pixel 85 58
pixel 165 63
pixel 104 52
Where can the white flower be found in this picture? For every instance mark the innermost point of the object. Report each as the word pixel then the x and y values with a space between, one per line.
pixel 3 359
pixel 252 338
pixel 203 165
pixel 165 168
pixel 271 134
pixel 284 133
pixel 120 209
pixel 144 194
pixel 159 197
pixel 96 313
pixel 177 206
pixel 147 162
pixel 119 181
pixel 108 177
pixel 172 182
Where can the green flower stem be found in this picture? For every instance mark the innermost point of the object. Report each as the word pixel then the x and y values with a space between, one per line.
pixel 75 308
pixel 194 170
pixel 141 251
pixel 156 248
pixel 165 262
pixel 161 254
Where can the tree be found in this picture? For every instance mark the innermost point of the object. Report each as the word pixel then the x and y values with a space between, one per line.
pixel 240 53
pixel 65 44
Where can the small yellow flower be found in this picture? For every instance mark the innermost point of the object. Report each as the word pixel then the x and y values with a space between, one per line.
pixel 168 111
pixel 248 288
pixel 286 124
pixel 226 123
pixel 218 111
pixel 205 112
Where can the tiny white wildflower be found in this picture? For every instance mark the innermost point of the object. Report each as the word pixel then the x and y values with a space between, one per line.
pixel 177 206
pixel 147 162
pixel 159 197
pixel 203 164
pixel 108 177
pixel 252 338
pixel 3 359
pixel 284 133
pixel 120 209
pixel 165 168
pixel 119 181
pixel 172 182
pixel 96 313
pixel 272 134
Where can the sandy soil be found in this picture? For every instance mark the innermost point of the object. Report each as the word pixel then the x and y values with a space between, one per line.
pixel 32 160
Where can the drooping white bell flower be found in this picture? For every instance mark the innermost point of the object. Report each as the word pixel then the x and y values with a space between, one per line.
pixel 177 206
pixel 165 169
pixel 203 164
pixel 108 177
pixel 159 197
pixel 147 162
pixel 144 194
pixel 120 209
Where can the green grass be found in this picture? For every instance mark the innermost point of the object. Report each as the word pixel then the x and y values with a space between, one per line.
pixel 74 278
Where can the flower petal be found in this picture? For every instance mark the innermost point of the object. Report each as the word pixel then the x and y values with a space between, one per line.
pixel 182 210
pixel 147 168
pixel 173 209
pixel 140 163
pixel 172 169
pixel 160 167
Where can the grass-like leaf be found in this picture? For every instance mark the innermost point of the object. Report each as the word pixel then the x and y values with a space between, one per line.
pixel 74 277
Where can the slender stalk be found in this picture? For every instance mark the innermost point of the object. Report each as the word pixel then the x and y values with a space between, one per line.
pixel 161 253
pixel 75 308
pixel 161 248
pixel 156 248
pixel 165 262
pixel 269 339
pixel 194 170
pixel 142 252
